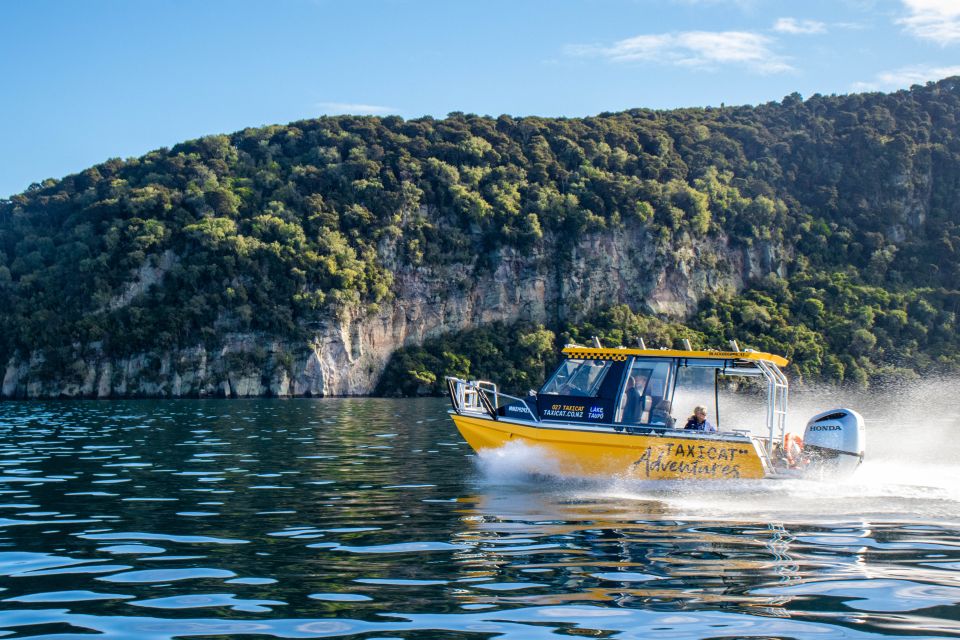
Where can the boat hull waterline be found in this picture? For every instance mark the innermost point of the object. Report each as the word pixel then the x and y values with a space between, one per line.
pixel 670 455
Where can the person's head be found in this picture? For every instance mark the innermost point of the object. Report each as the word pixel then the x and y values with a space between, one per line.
pixel 700 413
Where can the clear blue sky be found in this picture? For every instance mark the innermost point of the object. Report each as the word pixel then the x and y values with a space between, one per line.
pixel 83 81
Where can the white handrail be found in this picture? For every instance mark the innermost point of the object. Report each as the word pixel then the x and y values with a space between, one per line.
pixel 465 396
pixel 777 398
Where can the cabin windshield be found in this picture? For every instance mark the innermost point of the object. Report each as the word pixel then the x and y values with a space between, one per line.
pixel 577 378
pixel 646 394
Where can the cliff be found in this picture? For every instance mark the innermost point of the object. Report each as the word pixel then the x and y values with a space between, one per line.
pixel 347 353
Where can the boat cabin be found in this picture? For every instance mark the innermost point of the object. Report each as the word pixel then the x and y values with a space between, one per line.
pixel 636 390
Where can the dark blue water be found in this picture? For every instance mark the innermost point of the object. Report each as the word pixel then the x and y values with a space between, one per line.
pixel 360 518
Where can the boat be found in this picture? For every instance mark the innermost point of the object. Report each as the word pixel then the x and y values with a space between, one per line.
pixel 614 412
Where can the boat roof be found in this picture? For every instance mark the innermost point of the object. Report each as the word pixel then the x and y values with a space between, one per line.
pixel 622 353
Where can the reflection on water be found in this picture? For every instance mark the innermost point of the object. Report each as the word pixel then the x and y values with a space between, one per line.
pixel 371 518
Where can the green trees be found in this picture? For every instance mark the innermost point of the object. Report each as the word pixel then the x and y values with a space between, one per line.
pixel 274 229
pixel 516 356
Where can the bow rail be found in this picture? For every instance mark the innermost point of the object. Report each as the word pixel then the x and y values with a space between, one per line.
pixel 480 397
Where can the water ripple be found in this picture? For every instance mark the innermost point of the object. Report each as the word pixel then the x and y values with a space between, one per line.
pixel 167 575
pixel 370 518
pixel 161 537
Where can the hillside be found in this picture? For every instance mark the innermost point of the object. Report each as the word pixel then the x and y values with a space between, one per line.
pixel 307 259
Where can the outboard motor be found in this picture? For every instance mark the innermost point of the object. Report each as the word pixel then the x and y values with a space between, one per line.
pixel 834 441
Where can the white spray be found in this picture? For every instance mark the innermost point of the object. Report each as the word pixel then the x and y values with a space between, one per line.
pixel 911 470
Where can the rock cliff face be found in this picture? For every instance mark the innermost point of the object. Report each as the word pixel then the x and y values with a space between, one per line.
pixel 348 353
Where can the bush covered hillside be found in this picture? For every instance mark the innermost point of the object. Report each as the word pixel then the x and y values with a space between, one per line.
pixel 270 231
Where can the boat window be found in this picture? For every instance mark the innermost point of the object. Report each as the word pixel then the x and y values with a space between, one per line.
pixel 577 378
pixel 645 398
pixel 695 386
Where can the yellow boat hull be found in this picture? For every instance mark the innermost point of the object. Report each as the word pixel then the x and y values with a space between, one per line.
pixel 668 456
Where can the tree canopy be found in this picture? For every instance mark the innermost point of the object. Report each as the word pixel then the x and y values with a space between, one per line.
pixel 272 229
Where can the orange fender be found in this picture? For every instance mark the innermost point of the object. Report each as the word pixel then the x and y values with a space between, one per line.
pixel 793 449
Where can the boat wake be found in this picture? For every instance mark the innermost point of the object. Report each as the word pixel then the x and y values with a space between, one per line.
pixel 910 471
pixel 515 462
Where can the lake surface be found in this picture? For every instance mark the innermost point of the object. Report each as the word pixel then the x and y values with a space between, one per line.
pixel 370 518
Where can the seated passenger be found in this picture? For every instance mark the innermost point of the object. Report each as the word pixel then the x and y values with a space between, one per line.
pixel 633 400
pixel 660 414
pixel 698 421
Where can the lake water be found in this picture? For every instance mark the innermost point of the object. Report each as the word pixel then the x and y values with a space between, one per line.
pixel 370 518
